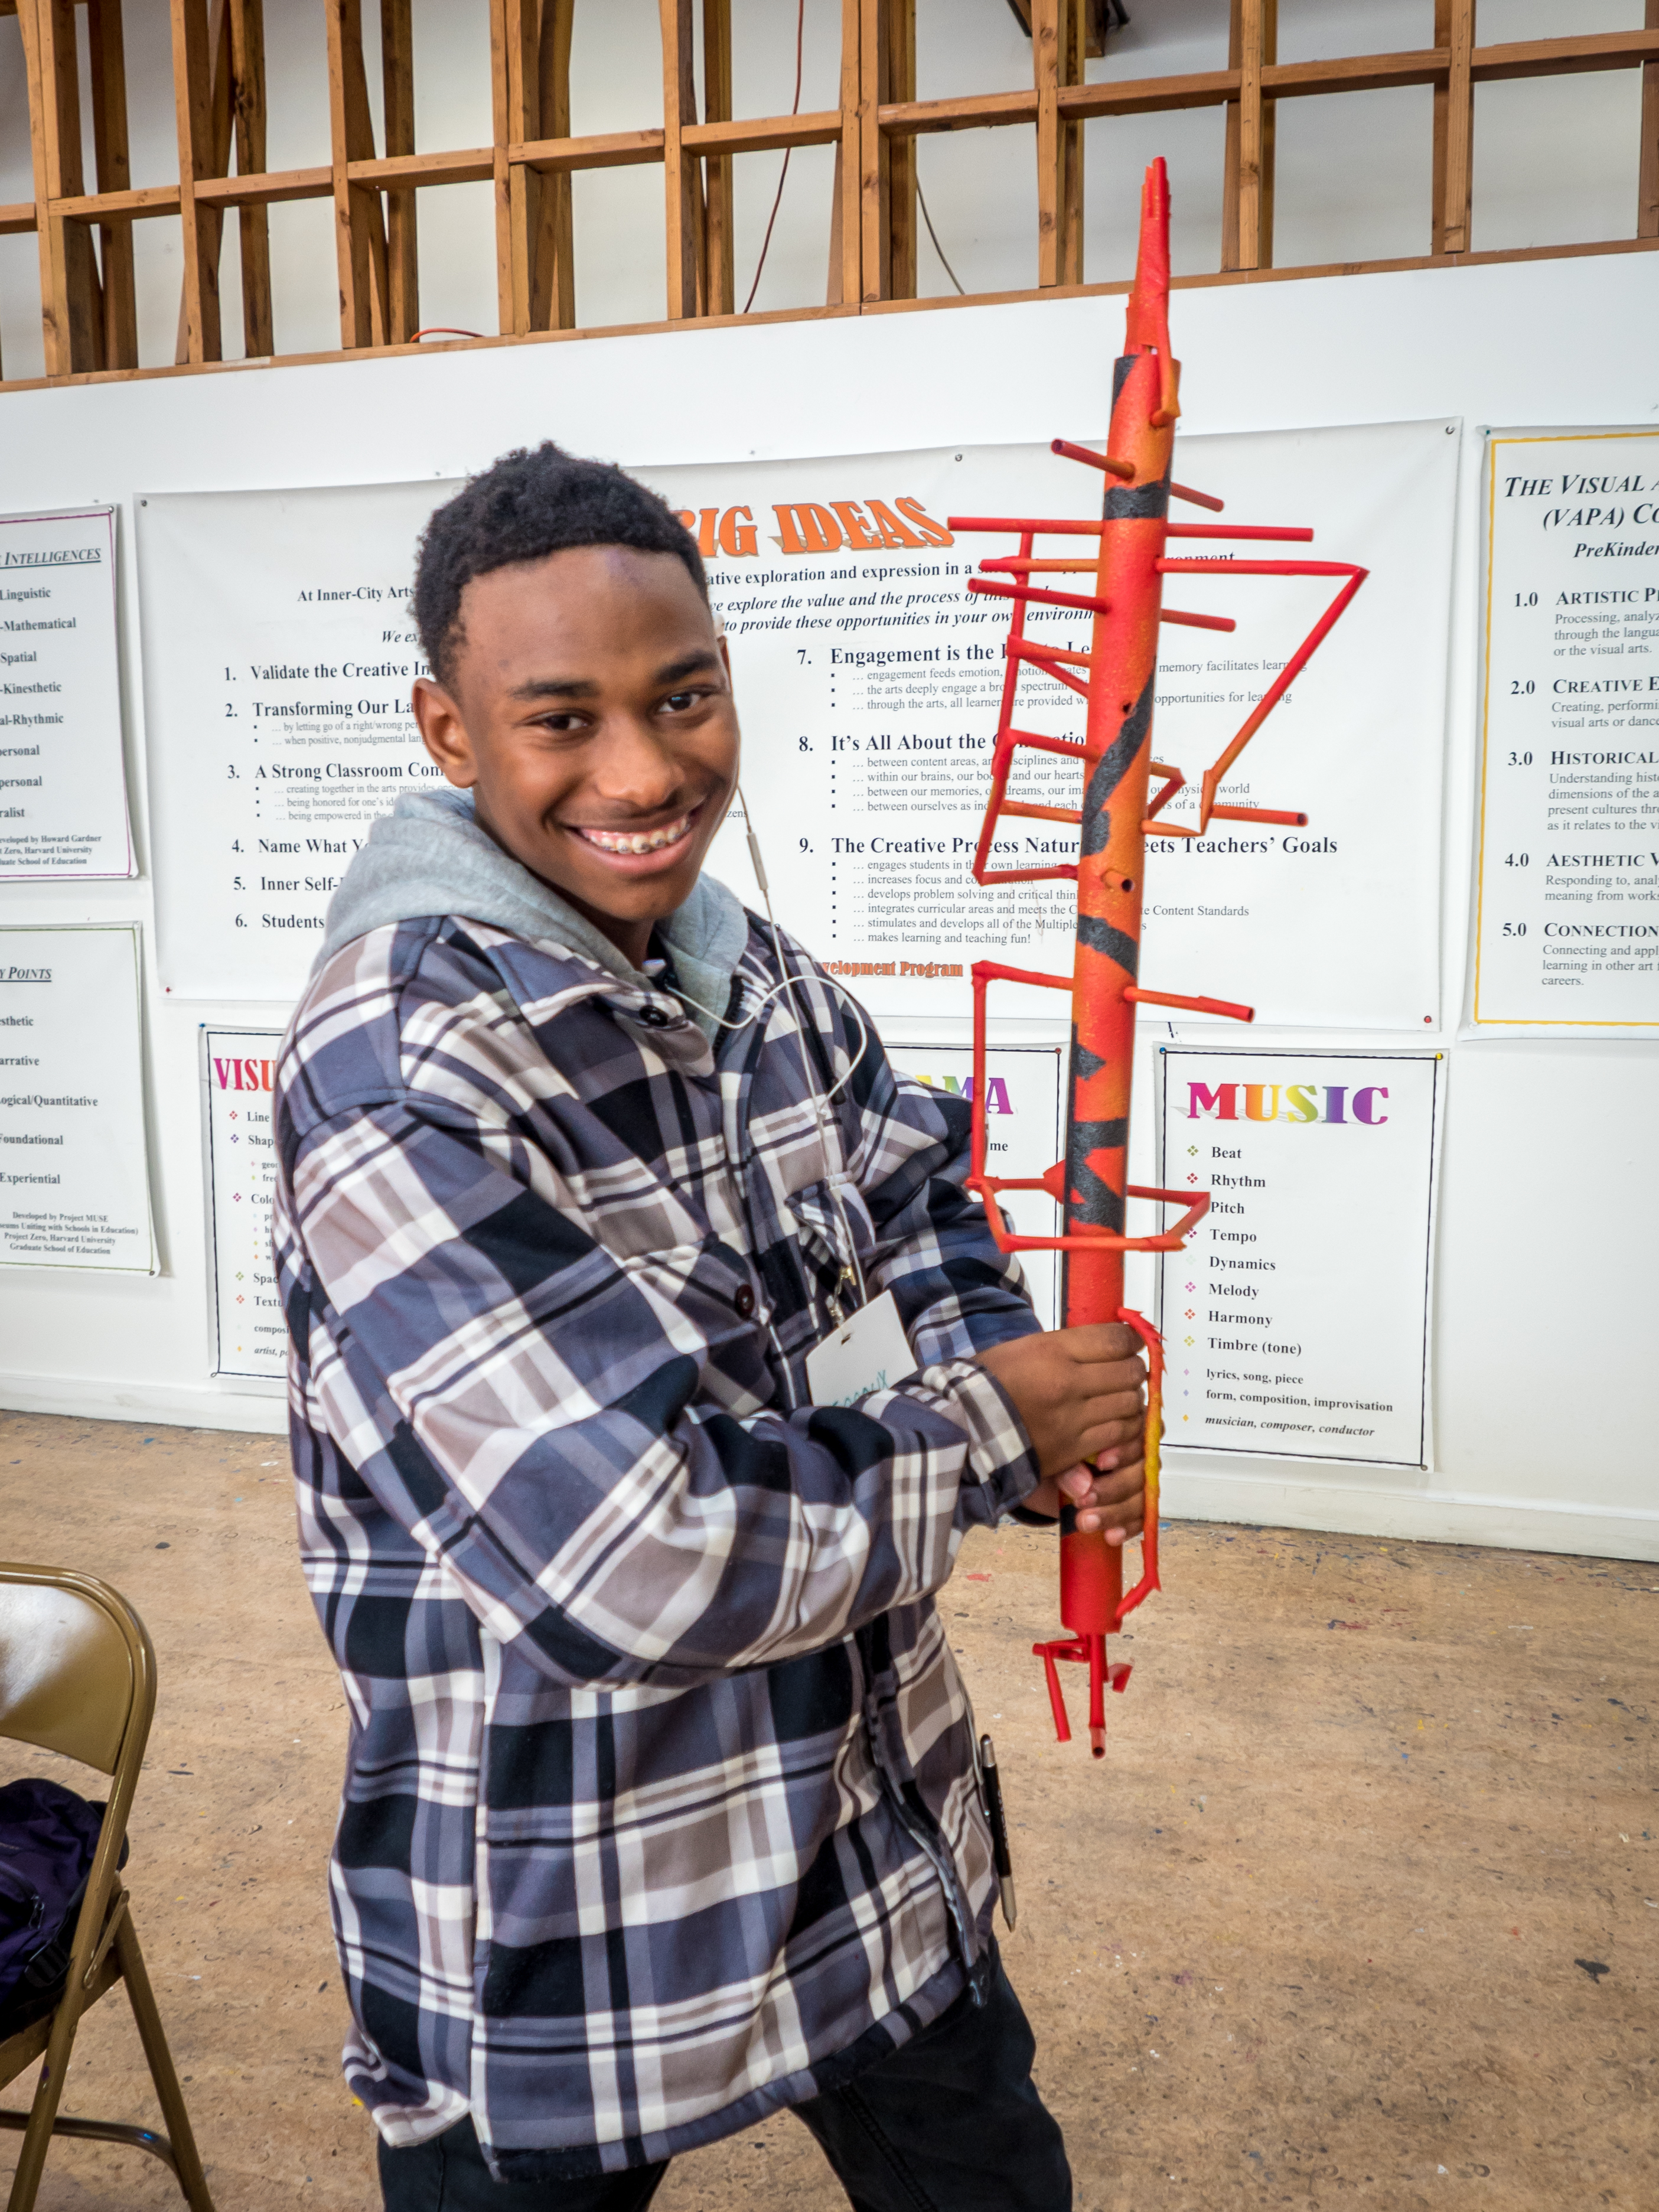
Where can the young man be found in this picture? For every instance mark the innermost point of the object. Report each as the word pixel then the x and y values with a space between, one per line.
pixel 660 1810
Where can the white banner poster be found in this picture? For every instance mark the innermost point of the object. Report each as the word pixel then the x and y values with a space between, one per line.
pixel 238 1066
pixel 278 659
pixel 1023 1090
pixel 1296 1323
pixel 869 681
pixel 63 788
pixel 1025 1135
pixel 1567 929
pixel 74 1166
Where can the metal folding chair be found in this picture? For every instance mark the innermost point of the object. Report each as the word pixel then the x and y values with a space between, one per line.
pixel 78 1676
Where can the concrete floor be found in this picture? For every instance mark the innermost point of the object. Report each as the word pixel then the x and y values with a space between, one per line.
pixel 1361 1909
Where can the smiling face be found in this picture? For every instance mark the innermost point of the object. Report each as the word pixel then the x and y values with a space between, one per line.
pixel 589 711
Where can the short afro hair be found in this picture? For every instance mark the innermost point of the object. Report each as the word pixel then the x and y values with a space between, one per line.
pixel 527 505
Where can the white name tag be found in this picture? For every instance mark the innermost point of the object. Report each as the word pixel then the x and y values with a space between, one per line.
pixel 869 1352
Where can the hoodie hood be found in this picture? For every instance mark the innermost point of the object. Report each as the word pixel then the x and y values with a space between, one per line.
pixel 430 856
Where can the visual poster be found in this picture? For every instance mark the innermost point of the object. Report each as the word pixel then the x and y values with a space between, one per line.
pixel 1025 1136
pixel 63 787
pixel 1567 929
pixel 1296 1322
pixel 279 656
pixel 238 1070
pixel 73 1164
pixel 238 1065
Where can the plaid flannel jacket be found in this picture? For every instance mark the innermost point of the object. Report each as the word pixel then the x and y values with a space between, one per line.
pixel 660 1809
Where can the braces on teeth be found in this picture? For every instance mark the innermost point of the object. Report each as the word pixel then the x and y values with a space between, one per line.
pixel 611 841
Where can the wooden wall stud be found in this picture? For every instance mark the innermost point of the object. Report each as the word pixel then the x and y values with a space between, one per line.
pixel 1057 56
pixel 247 101
pixel 846 284
pixel 108 70
pixel 71 299
pixel 682 182
pixel 403 276
pixel 1074 49
pixel 898 151
pixel 210 217
pixel 1247 217
pixel 873 210
pixel 720 272
pixel 521 65
pixel 555 264
pixel 1454 126
pixel 1051 190
pixel 359 232
pixel 506 25
pixel 192 93
pixel 538 109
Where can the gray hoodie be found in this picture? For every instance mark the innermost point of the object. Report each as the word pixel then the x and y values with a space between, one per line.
pixel 430 856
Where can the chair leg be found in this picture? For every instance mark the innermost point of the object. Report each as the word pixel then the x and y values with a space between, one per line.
pixel 36 2135
pixel 192 2179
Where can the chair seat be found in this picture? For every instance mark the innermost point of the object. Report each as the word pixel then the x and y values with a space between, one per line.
pixel 24 2044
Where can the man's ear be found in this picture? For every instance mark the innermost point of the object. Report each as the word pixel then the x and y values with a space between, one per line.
pixel 720 647
pixel 444 732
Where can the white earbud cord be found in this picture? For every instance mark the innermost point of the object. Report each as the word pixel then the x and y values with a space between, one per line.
pixel 765 1000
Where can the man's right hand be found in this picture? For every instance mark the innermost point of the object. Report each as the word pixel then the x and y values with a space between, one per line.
pixel 1080 1393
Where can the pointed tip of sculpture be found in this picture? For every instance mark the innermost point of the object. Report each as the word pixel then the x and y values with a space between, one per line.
pixel 1152 286
pixel 1147 326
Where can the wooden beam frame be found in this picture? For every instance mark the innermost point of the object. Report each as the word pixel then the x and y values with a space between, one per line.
pixel 506 31
pixel 517 190
pixel 247 100
pixel 846 284
pixel 71 299
pixel 1057 56
pixel 871 170
pixel 538 35
pixel 217 157
pixel 682 214
pixel 898 82
pixel 84 237
pixel 1073 51
pixel 1247 208
pixel 1453 127
pixel 359 225
pixel 719 239
pixel 200 222
pixel 113 168
pixel 403 276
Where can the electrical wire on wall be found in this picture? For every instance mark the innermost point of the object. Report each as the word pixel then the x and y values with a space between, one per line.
pixel 777 197
pixel 777 202
pixel 922 204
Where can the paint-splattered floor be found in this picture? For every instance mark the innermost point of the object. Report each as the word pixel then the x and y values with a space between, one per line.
pixel 1362 1908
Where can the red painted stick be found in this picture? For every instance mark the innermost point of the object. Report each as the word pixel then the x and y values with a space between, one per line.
pixel 1115 819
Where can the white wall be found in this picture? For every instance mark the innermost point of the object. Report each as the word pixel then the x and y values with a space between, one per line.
pixel 1548 1382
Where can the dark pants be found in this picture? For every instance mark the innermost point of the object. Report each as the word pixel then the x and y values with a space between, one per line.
pixel 952 2123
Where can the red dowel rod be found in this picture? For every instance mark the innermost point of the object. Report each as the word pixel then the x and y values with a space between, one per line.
pixel 1109 462
pixel 1227 1006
